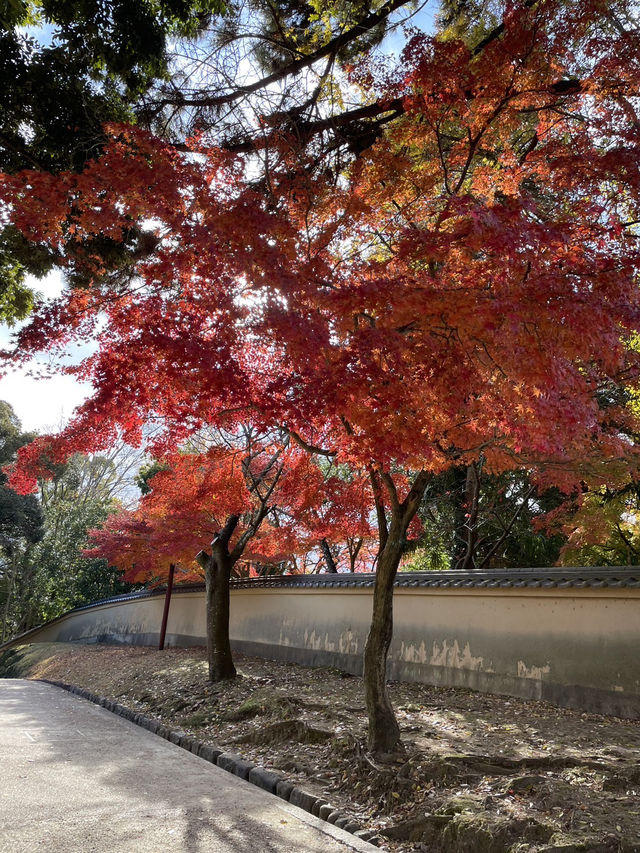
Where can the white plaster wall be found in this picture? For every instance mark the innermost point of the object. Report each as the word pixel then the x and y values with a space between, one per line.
pixel 576 646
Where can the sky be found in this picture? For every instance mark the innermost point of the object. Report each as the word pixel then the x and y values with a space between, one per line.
pixel 41 404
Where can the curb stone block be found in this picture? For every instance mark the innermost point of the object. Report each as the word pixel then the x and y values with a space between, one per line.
pixel 284 789
pixel 196 746
pixel 264 779
pixel 210 753
pixel 186 742
pixel 234 764
pixel 302 799
pixel 325 811
pixel 315 808
pixel 352 827
pixel 226 761
pixel 341 822
pixel 175 737
pixel 333 816
pixel 242 769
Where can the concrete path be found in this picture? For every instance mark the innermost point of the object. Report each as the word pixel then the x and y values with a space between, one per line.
pixel 77 778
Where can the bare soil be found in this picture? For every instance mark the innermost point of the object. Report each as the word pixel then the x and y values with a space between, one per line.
pixel 481 774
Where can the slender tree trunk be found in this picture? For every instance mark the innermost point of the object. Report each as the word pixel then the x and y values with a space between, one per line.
pixel 218 600
pixel 384 731
pixel 472 505
pixel 167 603
pixel 10 586
pixel 328 557
pixel 459 491
pixel 25 596
pixel 354 546
pixel 217 573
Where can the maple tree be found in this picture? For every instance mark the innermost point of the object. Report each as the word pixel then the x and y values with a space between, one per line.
pixel 465 289
pixel 241 499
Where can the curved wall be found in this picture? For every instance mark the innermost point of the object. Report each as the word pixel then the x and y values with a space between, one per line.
pixel 571 640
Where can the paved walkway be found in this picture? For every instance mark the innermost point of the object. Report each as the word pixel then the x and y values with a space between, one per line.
pixel 77 778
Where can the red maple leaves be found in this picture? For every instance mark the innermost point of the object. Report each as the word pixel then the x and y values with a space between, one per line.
pixel 467 289
pixel 286 504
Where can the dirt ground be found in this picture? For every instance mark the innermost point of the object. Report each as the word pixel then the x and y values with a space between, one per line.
pixel 482 774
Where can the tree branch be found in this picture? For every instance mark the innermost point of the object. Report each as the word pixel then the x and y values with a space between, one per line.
pixel 332 47
pixel 410 504
pixel 383 530
pixel 310 448
pixel 507 529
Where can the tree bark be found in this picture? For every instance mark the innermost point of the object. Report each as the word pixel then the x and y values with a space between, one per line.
pixel 472 505
pixel 7 606
pixel 384 731
pixel 167 603
pixel 217 573
pixel 459 491
pixel 328 557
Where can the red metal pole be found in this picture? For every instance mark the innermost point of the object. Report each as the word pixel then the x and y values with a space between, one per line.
pixel 167 602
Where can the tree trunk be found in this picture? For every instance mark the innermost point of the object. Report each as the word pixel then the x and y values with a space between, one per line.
pixel 167 603
pixel 217 573
pixel 459 492
pixel 384 731
pixel 7 607
pixel 354 546
pixel 472 505
pixel 328 557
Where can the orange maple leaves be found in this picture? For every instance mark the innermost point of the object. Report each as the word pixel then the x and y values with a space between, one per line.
pixel 285 503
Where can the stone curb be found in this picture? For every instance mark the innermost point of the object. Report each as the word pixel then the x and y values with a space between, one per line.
pixel 232 763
